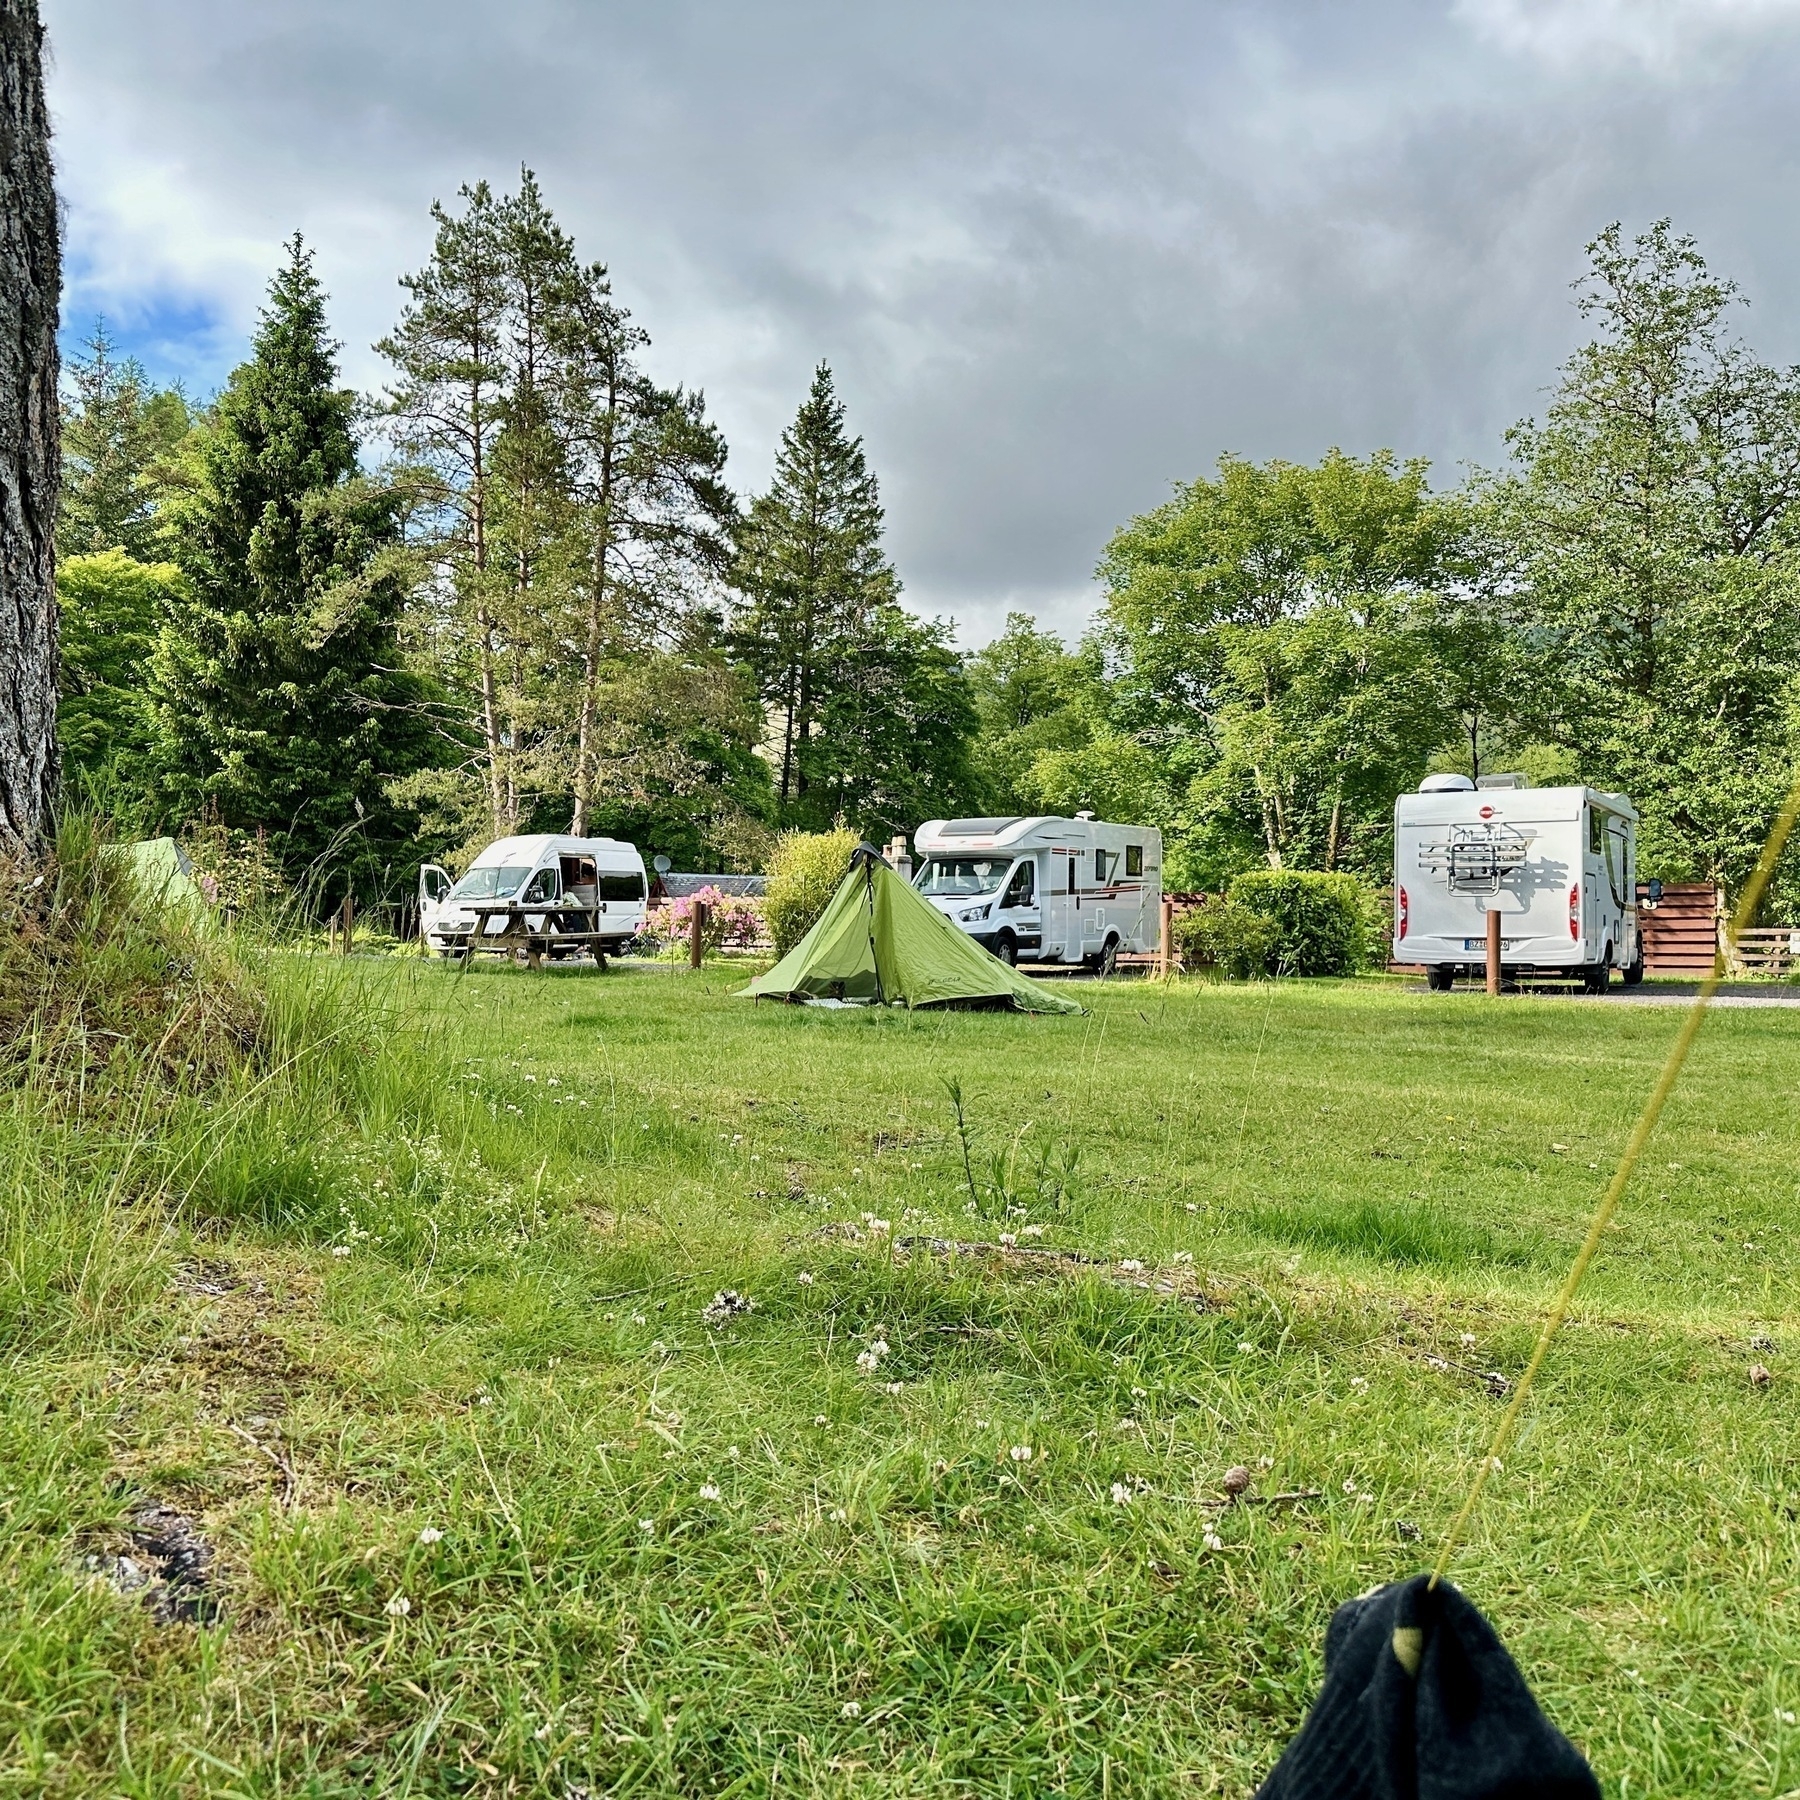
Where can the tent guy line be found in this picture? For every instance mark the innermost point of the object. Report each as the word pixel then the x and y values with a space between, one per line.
pixel 1742 914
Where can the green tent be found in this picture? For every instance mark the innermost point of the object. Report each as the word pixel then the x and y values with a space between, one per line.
pixel 167 877
pixel 879 941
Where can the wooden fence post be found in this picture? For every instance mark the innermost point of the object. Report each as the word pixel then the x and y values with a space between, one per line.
pixel 1166 943
pixel 346 924
pixel 1493 952
pixel 696 925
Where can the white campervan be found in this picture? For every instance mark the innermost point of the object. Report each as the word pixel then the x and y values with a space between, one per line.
pixel 1046 890
pixel 600 879
pixel 1558 864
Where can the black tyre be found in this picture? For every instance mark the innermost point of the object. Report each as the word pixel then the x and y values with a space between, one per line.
pixel 1007 949
pixel 1109 957
pixel 1633 973
pixel 1596 978
pixel 1440 977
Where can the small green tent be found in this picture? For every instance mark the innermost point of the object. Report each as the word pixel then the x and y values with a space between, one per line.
pixel 166 876
pixel 879 941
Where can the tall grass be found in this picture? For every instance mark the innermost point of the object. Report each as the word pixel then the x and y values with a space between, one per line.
pixel 160 1076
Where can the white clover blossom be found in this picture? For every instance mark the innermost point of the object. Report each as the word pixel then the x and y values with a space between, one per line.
pixel 805 1278
pixel 431 1535
pixel 1121 1494
pixel 1020 1453
pixel 709 1490
pixel 398 1607
pixel 647 1527
pixel 1213 1541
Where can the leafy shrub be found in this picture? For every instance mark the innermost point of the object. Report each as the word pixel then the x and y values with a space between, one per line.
pixel 732 922
pixel 1321 921
pixel 804 873
pixel 1227 936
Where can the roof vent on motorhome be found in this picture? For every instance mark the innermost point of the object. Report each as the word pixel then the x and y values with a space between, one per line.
pixel 1446 784
pixel 1514 780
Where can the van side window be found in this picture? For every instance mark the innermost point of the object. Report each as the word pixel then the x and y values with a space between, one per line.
pixel 621 887
pixel 1134 859
pixel 1022 889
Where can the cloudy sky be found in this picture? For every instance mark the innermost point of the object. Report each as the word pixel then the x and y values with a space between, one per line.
pixel 1059 255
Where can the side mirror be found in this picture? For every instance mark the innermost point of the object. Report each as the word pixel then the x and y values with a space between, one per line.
pixel 1655 892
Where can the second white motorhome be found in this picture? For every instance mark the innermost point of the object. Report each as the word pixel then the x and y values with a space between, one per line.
pixel 1046 889
pixel 594 879
pixel 1558 864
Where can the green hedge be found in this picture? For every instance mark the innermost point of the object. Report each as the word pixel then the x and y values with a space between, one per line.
pixel 1321 921
pixel 804 873
pixel 1283 922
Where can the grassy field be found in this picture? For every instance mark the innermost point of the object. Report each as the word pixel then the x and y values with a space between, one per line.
pixel 496 1508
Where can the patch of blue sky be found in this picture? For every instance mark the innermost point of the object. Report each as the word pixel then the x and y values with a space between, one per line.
pixel 180 339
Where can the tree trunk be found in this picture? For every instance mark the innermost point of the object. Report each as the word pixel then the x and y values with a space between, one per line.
pixel 30 285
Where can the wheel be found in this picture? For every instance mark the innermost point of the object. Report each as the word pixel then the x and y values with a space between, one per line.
pixel 1007 949
pixel 1109 956
pixel 1633 973
pixel 1440 977
pixel 1596 978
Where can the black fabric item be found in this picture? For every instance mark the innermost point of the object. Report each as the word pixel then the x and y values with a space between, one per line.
pixel 1458 1724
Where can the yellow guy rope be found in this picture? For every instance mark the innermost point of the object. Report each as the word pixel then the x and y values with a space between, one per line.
pixel 1634 1148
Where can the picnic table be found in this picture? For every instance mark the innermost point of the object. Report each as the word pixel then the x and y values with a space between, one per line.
pixel 553 933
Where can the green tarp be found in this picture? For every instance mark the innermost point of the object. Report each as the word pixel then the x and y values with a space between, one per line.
pixel 879 941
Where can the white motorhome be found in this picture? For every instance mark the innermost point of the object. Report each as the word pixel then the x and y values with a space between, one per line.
pixel 1558 864
pixel 596 879
pixel 1046 890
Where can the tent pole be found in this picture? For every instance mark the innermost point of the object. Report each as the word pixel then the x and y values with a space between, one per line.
pixel 874 954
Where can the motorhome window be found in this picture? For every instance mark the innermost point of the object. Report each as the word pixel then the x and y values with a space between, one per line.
pixel 1022 889
pixel 1134 859
pixel 1596 830
pixel 1100 867
pixel 577 871
pixel 960 877
pixel 543 886
pixel 621 887
pixel 489 884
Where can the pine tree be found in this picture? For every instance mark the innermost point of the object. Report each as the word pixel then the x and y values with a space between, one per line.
pixel 573 512
pixel 278 696
pixel 117 436
pixel 30 280
pixel 812 573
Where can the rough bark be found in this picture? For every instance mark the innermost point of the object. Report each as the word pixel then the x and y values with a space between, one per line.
pixel 30 283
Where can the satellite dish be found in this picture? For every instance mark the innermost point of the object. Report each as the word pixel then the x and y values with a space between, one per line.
pixel 661 864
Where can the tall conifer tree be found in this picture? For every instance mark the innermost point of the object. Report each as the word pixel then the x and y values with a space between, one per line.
pixel 811 569
pixel 869 709
pixel 278 696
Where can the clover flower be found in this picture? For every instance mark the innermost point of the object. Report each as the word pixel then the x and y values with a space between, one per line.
pixel 1121 1494
pixel 726 1304
pixel 431 1535
pixel 398 1607
pixel 709 1490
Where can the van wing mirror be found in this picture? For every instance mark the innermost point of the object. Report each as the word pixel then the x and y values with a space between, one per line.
pixel 1655 892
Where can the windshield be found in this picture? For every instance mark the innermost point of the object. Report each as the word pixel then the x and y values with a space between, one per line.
pixel 961 877
pixel 488 884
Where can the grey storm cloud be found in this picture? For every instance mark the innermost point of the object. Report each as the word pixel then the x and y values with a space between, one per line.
pixel 1059 256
